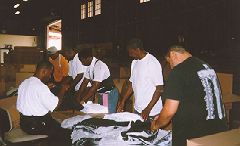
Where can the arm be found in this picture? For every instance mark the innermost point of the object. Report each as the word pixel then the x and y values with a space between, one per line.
pixel 81 89
pixel 155 98
pixel 67 80
pixel 61 93
pixel 121 102
pixel 91 91
pixel 169 109
pixel 76 80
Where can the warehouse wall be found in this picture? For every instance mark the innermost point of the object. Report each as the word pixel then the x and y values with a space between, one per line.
pixel 17 40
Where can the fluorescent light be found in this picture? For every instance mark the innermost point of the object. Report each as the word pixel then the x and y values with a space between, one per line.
pixel 25 0
pixel 18 12
pixel 17 5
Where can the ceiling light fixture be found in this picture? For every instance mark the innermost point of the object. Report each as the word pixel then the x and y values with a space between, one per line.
pixel 18 12
pixel 25 0
pixel 16 5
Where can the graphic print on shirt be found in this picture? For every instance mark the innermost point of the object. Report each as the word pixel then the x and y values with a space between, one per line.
pixel 208 78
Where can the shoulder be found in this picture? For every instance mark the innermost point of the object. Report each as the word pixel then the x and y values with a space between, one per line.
pixel 77 61
pixel 178 71
pixel 133 62
pixel 62 57
pixel 34 82
pixel 190 64
pixel 152 60
pixel 76 58
pixel 195 59
pixel 100 63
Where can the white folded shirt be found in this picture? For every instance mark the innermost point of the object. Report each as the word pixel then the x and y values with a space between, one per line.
pixel 90 107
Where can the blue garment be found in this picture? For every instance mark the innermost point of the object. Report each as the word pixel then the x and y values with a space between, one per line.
pixel 112 99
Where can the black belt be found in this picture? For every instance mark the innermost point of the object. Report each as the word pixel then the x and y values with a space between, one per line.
pixel 23 116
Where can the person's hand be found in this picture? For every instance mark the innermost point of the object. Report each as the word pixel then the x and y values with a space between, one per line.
pixel 51 85
pixel 145 113
pixel 82 102
pixel 77 106
pixel 154 124
pixel 120 106
pixel 65 87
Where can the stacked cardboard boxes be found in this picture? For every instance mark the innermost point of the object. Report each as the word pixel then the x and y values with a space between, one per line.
pixel 7 78
pixel 25 71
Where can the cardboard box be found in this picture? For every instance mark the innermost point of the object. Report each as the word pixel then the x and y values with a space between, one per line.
pixel 28 68
pixel 22 76
pixel 9 104
pixel 119 83
pixel 9 85
pixel 2 87
pixel 228 138
pixel 125 72
pixel 226 82
pixel 2 71
pixel 7 72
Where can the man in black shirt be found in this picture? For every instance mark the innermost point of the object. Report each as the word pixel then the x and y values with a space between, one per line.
pixel 193 99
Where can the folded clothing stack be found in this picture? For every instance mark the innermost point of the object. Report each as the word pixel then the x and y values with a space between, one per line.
pixel 94 108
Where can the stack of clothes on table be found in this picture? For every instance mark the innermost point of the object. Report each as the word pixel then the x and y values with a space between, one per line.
pixel 115 129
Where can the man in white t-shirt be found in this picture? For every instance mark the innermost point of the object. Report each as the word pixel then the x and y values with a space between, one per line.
pixel 74 79
pixel 76 68
pixel 35 101
pixel 146 82
pixel 98 75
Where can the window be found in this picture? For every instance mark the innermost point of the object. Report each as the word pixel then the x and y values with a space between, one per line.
pixel 90 9
pixel 144 1
pixel 83 11
pixel 97 7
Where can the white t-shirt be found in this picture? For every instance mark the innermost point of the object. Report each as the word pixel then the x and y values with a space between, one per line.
pixel 97 71
pixel 146 74
pixel 76 67
pixel 35 98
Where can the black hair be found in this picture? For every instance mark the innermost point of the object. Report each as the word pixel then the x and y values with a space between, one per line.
pixel 85 53
pixel 135 43
pixel 45 64
pixel 68 50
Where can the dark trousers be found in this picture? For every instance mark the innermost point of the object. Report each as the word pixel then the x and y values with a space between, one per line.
pixel 45 125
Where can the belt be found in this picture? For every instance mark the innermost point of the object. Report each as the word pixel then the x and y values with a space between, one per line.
pixel 21 115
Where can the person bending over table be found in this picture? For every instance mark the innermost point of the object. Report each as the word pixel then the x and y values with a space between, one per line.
pixel 98 74
pixel 35 102
pixel 193 98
